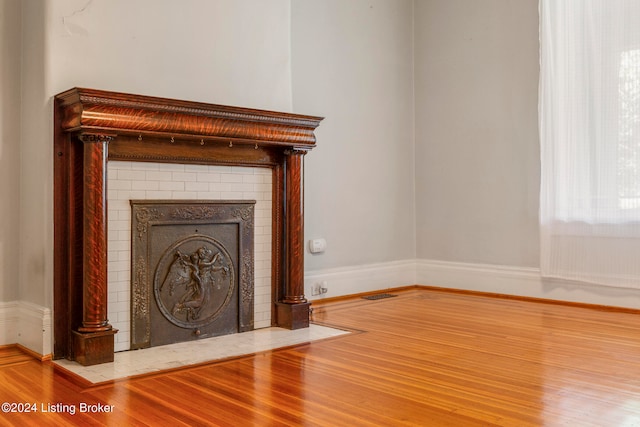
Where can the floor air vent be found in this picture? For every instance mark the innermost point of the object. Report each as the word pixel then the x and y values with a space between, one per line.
pixel 379 296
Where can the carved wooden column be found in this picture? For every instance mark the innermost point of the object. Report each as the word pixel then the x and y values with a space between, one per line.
pixel 293 310
pixel 94 339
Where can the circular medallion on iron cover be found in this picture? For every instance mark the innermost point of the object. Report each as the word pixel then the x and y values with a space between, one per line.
pixel 194 281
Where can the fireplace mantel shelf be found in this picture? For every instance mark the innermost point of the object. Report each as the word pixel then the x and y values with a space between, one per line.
pixel 92 127
pixel 110 113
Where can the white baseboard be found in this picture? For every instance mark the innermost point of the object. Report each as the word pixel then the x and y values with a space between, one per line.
pixel 27 324
pixel 361 278
pixel 520 281
pixel 35 330
pixel 498 279
pixel 478 277
pixel 8 323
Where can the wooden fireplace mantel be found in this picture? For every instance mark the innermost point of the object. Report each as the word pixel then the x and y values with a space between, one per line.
pixel 92 127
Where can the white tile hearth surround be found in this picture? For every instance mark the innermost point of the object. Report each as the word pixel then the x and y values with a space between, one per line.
pixel 155 359
pixel 144 181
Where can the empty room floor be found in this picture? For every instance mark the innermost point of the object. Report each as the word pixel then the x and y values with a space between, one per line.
pixel 422 357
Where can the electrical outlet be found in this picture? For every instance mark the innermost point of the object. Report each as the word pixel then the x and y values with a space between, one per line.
pixel 323 288
pixel 317 246
pixel 319 288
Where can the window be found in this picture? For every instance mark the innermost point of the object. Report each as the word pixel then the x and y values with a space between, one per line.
pixel 629 131
pixel 590 141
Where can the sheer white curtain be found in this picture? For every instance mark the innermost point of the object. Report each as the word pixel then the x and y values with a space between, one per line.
pixel 590 141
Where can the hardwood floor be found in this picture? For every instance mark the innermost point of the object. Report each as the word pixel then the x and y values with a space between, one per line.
pixel 424 357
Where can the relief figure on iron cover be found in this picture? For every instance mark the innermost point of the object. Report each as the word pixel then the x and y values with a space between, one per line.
pixel 195 271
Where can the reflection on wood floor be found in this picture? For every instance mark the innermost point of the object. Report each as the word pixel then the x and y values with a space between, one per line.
pixel 425 357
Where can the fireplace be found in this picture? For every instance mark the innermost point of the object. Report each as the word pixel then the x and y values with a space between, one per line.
pixel 192 270
pixel 95 127
pixel 149 181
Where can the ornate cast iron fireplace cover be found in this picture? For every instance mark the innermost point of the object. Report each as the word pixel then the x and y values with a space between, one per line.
pixel 192 270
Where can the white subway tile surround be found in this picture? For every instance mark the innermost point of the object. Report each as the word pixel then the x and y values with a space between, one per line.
pixel 144 181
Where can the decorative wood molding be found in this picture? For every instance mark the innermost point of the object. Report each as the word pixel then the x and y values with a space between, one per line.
pixel 95 111
pixel 92 127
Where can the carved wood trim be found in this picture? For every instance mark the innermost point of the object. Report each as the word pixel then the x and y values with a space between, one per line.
pixel 99 111
pixel 121 126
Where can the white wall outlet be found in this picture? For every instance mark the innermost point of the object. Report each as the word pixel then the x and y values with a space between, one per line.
pixel 323 287
pixel 319 288
pixel 315 289
pixel 317 246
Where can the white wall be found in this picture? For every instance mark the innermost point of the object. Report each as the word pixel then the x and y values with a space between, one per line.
pixel 10 46
pixel 352 62
pixel 36 164
pixel 233 52
pixel 478 155
pixel 477 151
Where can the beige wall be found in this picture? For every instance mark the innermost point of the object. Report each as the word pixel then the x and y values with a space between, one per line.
pixel 477 151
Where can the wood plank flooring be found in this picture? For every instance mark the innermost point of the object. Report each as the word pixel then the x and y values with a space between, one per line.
pixel 424 358
pixel 11 356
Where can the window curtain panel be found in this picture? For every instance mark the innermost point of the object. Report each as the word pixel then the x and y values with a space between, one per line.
pixel 590 141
